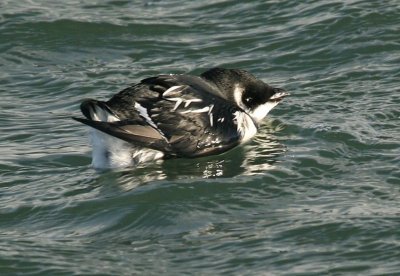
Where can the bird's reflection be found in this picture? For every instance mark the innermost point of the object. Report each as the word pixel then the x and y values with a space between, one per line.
pixel 256 157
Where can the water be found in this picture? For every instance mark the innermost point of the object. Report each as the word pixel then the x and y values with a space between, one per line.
pixel 315 193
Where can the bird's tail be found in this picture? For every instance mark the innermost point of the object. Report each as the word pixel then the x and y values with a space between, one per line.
pixel 97 111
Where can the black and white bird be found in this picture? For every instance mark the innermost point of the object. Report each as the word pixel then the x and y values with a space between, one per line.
pixel 171 116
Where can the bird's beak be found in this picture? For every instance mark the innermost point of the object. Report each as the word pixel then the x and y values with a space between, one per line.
pixel 279 95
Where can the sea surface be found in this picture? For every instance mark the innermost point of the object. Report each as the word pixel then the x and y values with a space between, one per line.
pixel 317 192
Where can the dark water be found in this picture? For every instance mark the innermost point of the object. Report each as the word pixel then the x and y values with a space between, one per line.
pixel 317 192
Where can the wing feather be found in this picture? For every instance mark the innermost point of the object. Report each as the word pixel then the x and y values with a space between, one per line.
pixel 178 115
pixel 144 136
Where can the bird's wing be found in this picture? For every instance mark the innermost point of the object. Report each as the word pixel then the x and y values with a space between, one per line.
pixel 144 136
pixel 195 121
pixel 135 130
pixel 178 116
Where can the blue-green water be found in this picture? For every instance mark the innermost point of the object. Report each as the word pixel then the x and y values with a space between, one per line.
pixel 317 192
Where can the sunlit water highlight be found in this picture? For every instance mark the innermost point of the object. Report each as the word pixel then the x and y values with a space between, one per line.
pixel 316 192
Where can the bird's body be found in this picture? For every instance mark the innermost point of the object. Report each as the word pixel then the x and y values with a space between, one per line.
pixel 178 116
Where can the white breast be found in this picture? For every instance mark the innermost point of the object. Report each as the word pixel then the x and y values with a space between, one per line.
pixel 111 152
pixel 245 126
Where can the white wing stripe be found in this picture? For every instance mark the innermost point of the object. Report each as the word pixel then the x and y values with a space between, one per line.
pixel 188 102
pixel 177 104
pixel 201 110
pixel 171 90
pixel 145 115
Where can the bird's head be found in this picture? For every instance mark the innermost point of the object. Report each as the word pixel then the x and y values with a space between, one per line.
pixel 252 95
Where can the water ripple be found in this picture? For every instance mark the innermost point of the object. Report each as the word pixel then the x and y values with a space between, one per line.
pixel 315 192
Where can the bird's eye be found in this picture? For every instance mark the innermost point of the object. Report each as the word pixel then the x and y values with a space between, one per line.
pixel 248 99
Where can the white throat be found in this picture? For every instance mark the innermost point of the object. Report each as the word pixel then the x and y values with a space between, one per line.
pixel 259 113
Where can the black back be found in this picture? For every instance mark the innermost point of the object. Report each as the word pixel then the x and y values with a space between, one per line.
pixel 188 131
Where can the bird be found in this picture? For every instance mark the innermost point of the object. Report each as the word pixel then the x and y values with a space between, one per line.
pixel 178 116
